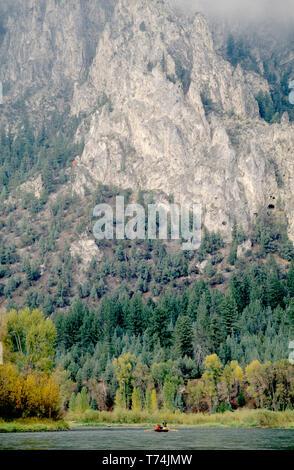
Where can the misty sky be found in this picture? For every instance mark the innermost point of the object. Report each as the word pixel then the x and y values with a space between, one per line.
pixel 252 10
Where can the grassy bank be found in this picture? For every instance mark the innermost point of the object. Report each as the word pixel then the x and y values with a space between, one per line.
pixel 239 418
pixel 33 425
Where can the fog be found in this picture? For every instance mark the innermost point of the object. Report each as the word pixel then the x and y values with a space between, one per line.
pixel 276 11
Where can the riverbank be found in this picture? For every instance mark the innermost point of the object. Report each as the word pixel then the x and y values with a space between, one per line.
pixel 123 418
pixel 237 419
pixel 33 425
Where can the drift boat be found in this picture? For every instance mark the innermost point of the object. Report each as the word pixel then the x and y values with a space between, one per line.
pixel 165 429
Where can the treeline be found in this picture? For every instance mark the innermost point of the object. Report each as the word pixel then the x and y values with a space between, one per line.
pixel 220 388
pixel 165 371
pixel 253 320
pixel 268 385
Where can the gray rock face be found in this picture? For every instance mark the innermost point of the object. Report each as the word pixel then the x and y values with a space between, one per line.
pixel 155 134
pixel 165 112
pixel 48 46
pixel 86 249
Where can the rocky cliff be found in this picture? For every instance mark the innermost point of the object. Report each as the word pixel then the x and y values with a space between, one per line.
pixel 157 134
pixel 162 110
pixel 48 46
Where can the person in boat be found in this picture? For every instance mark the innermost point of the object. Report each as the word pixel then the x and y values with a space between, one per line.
pixel 158 426
pixel 164 424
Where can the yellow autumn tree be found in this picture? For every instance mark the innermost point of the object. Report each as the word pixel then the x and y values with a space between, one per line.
pixel 66 386
pixel 41 396
pixel 141 377
pixel 136 400
pixel 231 379
pixel 10 392
pixel 211 378
pixel 51 398
pixel 120 399
pixel 30 339
pixel 34 394
pixel 195 393
pixel 3 336
pixel 154 403
pixel 259 377
pixel 124 367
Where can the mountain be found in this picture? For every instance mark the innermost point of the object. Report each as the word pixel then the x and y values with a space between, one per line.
pixel 150 101
pixel 138 98
pixel 159 108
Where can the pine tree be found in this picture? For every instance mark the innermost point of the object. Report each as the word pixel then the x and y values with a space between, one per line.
pixel 160 325
pixel 290 280
pixel 192 304
pixel 232 258
pixel 215 333
pixel 183 336
pixel 291 317
pixel 241 399
pixel 229 314
pixel 240 290
pixel 47 177
pixel 275 292
pixel 135 320
pixel 203 319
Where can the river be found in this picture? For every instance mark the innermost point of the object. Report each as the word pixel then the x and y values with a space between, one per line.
pixel 137 438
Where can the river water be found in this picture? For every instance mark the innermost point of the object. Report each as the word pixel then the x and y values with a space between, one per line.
pixel 137 438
